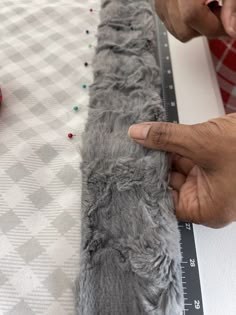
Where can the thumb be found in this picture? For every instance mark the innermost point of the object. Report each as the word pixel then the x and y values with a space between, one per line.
pixel 175 138
pixel 228 16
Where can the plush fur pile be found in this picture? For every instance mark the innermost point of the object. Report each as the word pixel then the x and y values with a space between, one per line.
pixel 130 254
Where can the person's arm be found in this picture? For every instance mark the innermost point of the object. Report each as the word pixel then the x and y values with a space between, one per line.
pixel 204 166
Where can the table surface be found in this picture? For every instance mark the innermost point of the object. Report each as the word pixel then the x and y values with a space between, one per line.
pixel 199 99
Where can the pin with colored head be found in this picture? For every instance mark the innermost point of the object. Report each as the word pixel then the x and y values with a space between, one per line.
pixel 70 135
pixel 93 10
pixel 0 96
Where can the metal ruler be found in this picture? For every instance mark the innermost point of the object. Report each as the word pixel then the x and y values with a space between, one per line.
pixel 190 273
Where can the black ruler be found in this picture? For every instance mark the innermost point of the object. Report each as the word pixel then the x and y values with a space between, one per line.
pixel 190 273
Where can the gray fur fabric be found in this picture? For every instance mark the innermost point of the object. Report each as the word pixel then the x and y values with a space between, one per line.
pixel 130 252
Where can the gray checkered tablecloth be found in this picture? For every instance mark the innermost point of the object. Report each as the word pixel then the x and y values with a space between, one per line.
pixel 43 48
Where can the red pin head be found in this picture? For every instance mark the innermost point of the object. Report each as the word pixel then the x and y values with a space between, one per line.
pixel 0 96
pixel 70 135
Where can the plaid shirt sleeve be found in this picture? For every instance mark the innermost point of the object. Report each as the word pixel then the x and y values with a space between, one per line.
pixel 224 58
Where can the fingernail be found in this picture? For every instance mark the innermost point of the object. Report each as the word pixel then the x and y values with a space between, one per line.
pixel 233 25
pixel 139 132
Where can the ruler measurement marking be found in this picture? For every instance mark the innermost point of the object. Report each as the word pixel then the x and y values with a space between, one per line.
pixel 189 264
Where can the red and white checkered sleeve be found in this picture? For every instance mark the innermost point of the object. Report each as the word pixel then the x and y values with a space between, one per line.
pixel 224 58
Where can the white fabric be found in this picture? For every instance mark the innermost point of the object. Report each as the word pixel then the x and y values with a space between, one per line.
pixel 43 48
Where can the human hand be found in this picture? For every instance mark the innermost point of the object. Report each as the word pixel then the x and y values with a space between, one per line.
pixel 186 19
pixel 204 167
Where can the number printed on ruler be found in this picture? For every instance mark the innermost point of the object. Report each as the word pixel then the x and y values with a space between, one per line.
pixel 192 262
pixel 197 304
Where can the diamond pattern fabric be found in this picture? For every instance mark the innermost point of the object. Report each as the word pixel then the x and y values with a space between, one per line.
pixel 43 50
